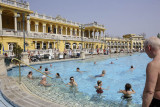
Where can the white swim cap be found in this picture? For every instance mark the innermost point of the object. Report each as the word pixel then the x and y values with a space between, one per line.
pixel 43 76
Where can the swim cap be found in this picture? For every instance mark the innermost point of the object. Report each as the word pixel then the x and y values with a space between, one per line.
pixel 43 76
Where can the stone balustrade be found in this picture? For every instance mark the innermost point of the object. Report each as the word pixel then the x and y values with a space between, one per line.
pixel 40 35
pixel 16 3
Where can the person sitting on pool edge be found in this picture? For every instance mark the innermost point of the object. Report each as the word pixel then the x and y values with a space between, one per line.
pixel 46 71
pixel 127 93
pixel 72 82
pixel 101 75
pixel 44 82
pixel 99 88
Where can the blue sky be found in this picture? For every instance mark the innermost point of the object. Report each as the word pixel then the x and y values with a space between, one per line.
pixel 119 16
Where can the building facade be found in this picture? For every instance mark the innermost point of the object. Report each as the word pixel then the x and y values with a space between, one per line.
pixel 44 32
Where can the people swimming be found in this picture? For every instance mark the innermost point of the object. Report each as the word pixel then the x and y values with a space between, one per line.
pixel 132 67
pixel 46 71
pixel 127 93
pixel 99 88
pixel 29 76
pixel 72 82
pixel 101 75
pixel 40 68
pixel 94 62
pixel 111 62
pixel 58 75
pixel 78 70
pixel 51 65
pixel 44 81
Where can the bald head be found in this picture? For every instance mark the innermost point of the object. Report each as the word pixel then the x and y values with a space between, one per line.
pixel 154 42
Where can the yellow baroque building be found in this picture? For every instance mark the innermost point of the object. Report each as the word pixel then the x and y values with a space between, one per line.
pixel 43 32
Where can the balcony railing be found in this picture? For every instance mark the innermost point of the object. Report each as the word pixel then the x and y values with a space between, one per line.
pixel 38 35
pixel 41 16
pixel 16 3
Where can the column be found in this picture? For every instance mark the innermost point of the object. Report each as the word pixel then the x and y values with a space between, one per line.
pixel 44 28
pixel 83 33
pixel 0 19
pixel 54 45
pixel 97 34
pixel 66 30
pixel 48 44
pixel 28 25
pixel 51 30
pixel 103 34
pixel 84 45
pixel 71 31
pixel 35 44
pixel 61 30
pixel 100 35
pixel 36 26
pixel 79 33
pixel 75 32
pixel 15 21
pixel 42 44
pixel 89 33
pixel 93 33
pixel 56 29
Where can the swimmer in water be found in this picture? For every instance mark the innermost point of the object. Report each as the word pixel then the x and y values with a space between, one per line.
pixel 51 65
pixel 94 62
pixel 101 75
pixel 111 62
pixel 127 93
pixel 46 71
pixel 99 88
pixel 58 75
pixel 78 70
pixel 72 82
pixel 40 68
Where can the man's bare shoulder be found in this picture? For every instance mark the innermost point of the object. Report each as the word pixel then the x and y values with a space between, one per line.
pixel 153 66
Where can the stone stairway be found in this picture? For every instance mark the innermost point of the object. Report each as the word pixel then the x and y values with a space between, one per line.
pixel 13 93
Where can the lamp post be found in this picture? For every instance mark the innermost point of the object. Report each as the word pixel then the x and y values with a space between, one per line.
pixel 24 30
pixel 82 27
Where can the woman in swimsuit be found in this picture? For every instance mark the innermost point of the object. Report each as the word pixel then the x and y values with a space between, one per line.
pixel 127 93
pixel 99 89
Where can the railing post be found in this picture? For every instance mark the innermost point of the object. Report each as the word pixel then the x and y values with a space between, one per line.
pixel 19 73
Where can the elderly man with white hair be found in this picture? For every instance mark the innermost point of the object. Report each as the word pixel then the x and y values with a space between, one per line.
pixel 44 81
pixel 151 93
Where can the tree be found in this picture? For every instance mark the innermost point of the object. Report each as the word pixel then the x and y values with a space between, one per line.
pixel 158 35
pixel 17 50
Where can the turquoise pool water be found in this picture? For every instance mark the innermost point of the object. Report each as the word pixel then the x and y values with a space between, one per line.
pixel 117 75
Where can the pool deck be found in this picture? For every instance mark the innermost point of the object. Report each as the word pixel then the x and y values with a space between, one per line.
pixel 18 95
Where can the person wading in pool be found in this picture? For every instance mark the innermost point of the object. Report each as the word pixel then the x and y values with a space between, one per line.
pixel 44 82
pixel 40 68
pixel 127 93
pixel 99 88
pixel 72 82
pixel 46 71
pixel 151 93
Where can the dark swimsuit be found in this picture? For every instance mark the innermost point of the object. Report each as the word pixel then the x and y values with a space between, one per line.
pixel 155 103
pixel 99 91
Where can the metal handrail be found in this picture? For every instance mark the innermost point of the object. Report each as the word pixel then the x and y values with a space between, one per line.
pixel 28 66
